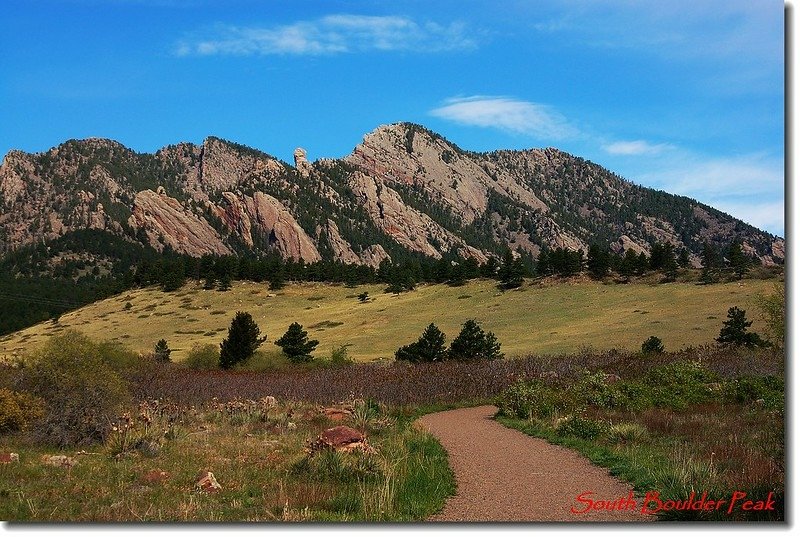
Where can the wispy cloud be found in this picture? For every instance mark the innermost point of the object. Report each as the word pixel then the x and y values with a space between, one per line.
pixel 505 113
pixel 765 215
pixel 334 34
pixel 742 175
pixel 635 147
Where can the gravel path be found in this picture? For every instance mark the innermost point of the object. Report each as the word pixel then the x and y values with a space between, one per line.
pixel 505 475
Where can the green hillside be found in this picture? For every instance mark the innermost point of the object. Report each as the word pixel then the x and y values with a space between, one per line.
pixel 538 318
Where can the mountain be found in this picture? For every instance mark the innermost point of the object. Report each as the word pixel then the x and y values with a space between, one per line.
pixel 403 190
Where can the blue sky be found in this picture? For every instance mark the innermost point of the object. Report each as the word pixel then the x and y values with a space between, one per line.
pixel 684 96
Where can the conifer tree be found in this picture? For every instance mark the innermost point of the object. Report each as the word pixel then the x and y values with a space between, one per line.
pixel 242 341
pixel 296 345
pixel 734 330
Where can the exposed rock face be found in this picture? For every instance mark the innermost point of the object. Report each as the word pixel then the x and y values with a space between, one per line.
pixel 409 227
pixel 372 256
pixel 301 162
pixel 164 219
pixel 402 187
pixel 274 223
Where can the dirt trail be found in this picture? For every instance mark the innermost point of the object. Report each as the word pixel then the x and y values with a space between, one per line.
pixel 505 475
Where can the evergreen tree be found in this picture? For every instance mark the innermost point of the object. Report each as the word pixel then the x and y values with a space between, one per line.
pixel 711 263
pixel 472 343
pixel 242 341
pixel 652 345
pixel 225 282
pixel 683 258
pixel 597 262
pixel 543 265
pixel 428 348
pixel 737 260
pixel 511 271
pixel 296 345
pixel 734 330
pixel 162 351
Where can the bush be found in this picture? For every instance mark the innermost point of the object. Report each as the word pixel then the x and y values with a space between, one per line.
pixel 339 356
pixel 592 389
pixel 202 357
pixel 528 399
pixel 748 389
pixel 81 386
pixel 581 427
pixel 679 384
pixel 652 345
pixel 18 410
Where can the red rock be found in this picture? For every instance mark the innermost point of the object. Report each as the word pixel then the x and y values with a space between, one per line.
pixel 155 476
pixel 206 482
pixel 6 458
pixel 336 414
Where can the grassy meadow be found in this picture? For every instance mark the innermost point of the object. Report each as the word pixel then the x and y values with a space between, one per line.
pixel 539 318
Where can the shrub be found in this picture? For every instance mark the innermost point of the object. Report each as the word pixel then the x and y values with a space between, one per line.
pixel 747 389
pixel 679 384
pixel 202 357
pixel 652 345
pixel 627 433
pixel 773 308
pixel 581 427
pixel 528 399
pixel 18 410
pixel 339 356
pixel 81 388
pixel 592 389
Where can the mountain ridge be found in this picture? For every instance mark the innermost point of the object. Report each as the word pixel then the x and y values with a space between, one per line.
pixel 403 188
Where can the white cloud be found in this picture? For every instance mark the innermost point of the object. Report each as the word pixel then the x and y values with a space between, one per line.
pixel 732 176
pixel 508 114
pixel 333 34
pixel 635 147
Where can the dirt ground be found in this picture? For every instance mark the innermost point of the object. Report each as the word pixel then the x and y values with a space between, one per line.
pixel 505 475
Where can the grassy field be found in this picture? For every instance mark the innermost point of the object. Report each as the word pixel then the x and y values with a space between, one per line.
pixel 541 318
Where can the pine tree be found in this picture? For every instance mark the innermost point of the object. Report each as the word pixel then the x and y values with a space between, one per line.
pixel 242 341
pixel 428 348
pixel 162 351
pixel 511 271
pixel 472 343
pixel 683 258
pixel 597 262
pixel 296 345
pixel 734 330
pixel 711 263
pixel 737 260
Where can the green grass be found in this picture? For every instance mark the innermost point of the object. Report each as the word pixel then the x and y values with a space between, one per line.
pixel 537 318
pixel 259 460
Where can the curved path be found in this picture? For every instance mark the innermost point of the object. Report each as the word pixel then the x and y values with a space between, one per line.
pixel 505 475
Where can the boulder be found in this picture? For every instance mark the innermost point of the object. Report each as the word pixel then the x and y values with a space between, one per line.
pixel 340 438
pixel 61 461
pixel 206 482
pixel 6 458
pixel 336 414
